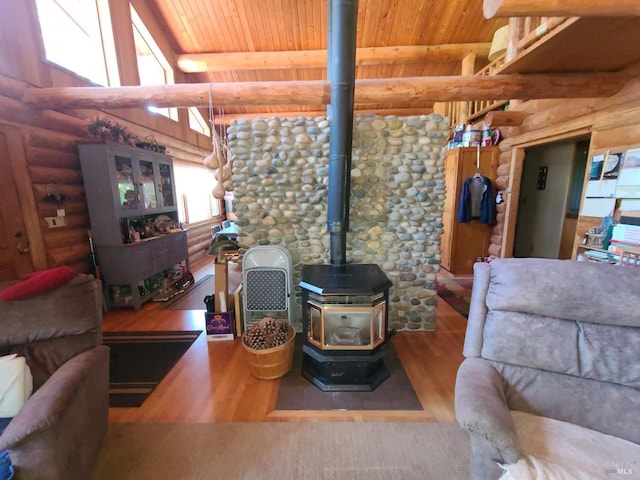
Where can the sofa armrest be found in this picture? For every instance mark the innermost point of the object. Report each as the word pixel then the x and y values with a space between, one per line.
pixel 58 431
pixel 482 410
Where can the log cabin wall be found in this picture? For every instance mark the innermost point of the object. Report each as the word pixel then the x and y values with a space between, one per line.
pixel 50 138
pixel 611 122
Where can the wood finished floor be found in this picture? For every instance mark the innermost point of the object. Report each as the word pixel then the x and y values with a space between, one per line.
pixel 212 382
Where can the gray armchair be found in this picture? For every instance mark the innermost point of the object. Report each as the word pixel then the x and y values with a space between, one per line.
pixel 58 431
pixel 557 339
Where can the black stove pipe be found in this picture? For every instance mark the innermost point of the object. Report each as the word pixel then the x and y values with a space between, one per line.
pixel 344 14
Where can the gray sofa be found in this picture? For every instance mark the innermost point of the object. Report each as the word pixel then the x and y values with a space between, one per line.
pixel 557 339
pixel 58 431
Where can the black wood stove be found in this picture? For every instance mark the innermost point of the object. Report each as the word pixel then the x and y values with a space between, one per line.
pixel 344 317
pixel 344 306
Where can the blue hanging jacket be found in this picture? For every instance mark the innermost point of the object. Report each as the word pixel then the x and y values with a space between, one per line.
pixel 487 207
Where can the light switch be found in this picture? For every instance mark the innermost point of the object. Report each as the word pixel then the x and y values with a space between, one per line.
pixel 55 222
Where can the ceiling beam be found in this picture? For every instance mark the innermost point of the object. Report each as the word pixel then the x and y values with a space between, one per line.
pixel 508 118
pixel 560 8
pixel 403 91
pixel 220 62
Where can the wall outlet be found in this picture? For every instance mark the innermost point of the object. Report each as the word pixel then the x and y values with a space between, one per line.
pixel 55 222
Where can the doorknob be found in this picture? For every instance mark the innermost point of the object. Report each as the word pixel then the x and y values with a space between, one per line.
pixel 23 247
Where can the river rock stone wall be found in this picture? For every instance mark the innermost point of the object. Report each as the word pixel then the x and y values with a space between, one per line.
pixel 280 177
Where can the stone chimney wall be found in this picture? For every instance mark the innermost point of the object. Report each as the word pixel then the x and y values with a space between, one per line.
pixel 280 175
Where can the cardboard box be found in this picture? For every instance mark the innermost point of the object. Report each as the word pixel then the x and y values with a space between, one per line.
pixel 219 326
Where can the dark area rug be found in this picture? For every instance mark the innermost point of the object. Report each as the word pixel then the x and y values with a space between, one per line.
pixel 395 393
pixel 138 361
pixel 457 293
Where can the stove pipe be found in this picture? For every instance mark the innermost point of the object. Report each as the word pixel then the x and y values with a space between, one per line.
pixel 341 73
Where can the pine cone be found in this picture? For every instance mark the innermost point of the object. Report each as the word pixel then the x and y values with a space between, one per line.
pixel 267 333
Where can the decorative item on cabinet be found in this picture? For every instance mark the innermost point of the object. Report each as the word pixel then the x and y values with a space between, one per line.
pixel 110 130
pixel 107 129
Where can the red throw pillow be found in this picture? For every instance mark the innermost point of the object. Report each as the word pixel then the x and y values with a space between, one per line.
pixel 36 283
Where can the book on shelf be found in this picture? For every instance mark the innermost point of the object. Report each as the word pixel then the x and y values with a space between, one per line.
pixel 625 243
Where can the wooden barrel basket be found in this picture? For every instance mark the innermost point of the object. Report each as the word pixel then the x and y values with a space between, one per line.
pixel 271 363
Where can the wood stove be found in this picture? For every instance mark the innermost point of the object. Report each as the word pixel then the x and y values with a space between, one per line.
pixel 344 306
pixel 345 321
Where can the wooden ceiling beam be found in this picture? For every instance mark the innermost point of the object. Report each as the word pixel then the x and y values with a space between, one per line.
pixel 220 62
pixel 560 8
pixel 509 118
pixel 317 92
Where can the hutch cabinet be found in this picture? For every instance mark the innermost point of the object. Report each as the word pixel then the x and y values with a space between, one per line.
pixel 134 217
pixel 462 243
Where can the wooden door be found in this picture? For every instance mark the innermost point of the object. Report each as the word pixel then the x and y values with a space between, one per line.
pixel 15 254
pixel 466 241
pixel 449 209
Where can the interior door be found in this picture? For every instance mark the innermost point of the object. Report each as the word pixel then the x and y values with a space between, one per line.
pixel 542 204
pixel 15 258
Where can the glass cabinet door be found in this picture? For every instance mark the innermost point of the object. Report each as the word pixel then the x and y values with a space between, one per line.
pixel 166 187
pixel 127 191
pixel 148 184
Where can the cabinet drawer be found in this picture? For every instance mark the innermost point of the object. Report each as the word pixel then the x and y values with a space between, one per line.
pixel 128 264
pixel 169 250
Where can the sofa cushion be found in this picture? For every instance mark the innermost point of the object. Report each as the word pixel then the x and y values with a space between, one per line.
pixel 16 384
pixel 538 286
pixel 36 283
pixel 607 407
pixel 583 349
pixel 555 450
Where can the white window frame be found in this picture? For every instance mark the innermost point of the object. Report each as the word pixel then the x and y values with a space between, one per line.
pixel 70 53
pixel 197 122
pixel 138 26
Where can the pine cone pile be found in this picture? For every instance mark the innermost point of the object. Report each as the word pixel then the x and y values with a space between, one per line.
pixel 267 333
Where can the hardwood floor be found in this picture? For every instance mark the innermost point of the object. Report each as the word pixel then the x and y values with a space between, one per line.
pixel 212 382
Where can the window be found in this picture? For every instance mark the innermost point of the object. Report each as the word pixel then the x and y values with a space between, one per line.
pixel 197 122
pixel 77 35
pixel 194 184
pixel 153 67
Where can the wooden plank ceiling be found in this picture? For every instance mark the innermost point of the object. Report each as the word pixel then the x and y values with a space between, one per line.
pixel 236 26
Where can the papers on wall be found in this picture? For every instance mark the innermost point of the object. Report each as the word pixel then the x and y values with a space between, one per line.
pixel 604 173
pixel 601 188
pixel 598 207
pixel 628 183
pixel 629 205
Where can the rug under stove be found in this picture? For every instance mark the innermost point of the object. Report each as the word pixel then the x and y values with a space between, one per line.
pixel 395 393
